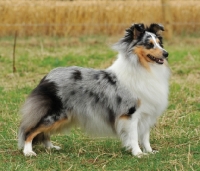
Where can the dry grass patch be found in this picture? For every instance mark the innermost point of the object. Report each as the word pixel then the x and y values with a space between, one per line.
pixel 64 18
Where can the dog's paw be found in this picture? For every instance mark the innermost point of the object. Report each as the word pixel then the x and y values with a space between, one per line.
pixel 29 153
pixel 56 147
pixel 140 155
pixel 154 152
pixel 150 151
pixel 53 147
pixel 49 145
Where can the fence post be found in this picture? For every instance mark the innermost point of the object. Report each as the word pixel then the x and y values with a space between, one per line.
pixel 14 47
pixel 167 18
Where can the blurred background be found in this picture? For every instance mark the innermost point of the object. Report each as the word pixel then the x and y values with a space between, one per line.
pixel 75 18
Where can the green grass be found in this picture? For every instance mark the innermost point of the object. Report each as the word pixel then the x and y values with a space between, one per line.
pixel 176 135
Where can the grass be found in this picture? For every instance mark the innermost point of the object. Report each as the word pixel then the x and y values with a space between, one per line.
pixel 176 135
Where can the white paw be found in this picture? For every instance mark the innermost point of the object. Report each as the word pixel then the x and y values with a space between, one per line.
pixel 29 153
pixel 53 146
pixel 56 147
pixel 140 155
pixel 154 152
pixel 49 145
pixel 150 151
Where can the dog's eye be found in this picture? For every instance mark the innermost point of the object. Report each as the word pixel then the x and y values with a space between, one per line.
pixel 150 45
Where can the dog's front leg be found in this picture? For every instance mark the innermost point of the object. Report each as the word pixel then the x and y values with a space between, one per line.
pixel 127 129
pixel 145 142
pixel 133 137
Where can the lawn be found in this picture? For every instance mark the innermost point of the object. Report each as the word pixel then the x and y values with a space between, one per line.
pixel 176 134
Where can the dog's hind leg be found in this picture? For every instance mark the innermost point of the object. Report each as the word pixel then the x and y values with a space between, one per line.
pixel 46 130
pixel 48 144
pixel 28 151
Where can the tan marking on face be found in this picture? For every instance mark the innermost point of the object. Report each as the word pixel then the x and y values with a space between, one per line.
pixel 157 40
pixel 157 53
pixel 46 129
pixel 142 53
pixel 151 41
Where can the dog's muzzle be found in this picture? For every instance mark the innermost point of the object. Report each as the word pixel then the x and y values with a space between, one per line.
pixel 157 60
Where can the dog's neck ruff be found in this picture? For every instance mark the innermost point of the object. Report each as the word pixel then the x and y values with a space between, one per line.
pixel 142 83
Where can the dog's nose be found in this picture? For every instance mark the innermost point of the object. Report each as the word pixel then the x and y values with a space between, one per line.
pixel 165 54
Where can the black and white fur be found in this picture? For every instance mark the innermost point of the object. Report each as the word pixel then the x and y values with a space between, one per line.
pixel 123 100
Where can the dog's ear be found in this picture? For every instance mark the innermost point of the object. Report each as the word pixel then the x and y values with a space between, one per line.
pixel 155 28
pixel 138 30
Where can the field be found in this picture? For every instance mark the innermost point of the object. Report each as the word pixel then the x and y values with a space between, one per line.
pixel 176 135
pixel 63 18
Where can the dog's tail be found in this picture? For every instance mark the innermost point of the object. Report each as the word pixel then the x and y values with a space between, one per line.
pixel 33 110
pixel 41 102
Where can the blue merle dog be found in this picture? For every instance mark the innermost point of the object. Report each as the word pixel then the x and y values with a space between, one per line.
pixel 123 100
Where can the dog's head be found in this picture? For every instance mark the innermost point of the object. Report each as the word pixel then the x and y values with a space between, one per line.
pixel 145 42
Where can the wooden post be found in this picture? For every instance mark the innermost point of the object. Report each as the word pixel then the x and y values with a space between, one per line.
pixel 167 19
pixel 14 46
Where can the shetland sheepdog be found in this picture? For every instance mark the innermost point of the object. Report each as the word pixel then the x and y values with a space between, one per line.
pixel 123 100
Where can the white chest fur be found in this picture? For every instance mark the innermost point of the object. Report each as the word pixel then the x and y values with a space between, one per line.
pixel 151 87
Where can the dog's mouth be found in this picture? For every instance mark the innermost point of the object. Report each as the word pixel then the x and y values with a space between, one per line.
pixel 157 60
